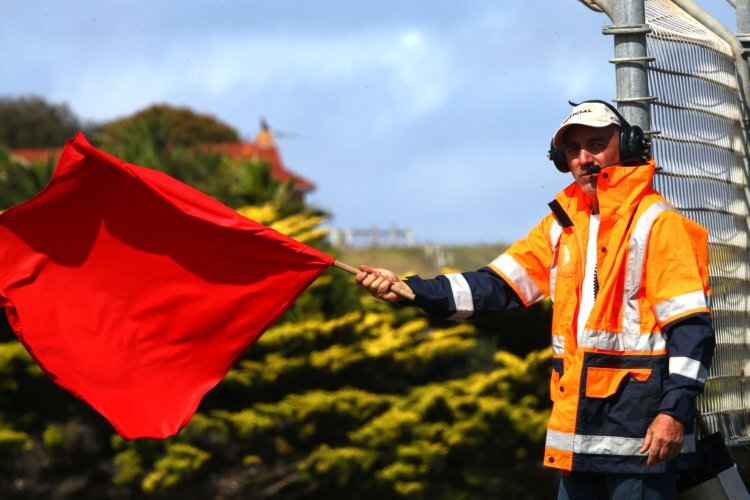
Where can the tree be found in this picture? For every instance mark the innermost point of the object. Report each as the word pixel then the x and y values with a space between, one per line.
pixel 344 397
pixel 20 180
pixel 171 126
pixel 32 122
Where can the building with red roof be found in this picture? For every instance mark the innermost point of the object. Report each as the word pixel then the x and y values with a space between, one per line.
pixel 263 149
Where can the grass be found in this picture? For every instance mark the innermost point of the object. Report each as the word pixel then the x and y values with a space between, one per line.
pixel 417 260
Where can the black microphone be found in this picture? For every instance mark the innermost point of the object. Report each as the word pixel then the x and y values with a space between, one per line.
pixel 591 169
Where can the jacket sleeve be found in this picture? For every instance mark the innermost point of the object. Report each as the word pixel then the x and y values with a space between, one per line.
pixel 525 266
pixel 461 295
pixel 519 277
pixel 690 350
pixel 677 288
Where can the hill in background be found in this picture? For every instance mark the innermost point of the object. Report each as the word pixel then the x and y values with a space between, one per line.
pixel 424 260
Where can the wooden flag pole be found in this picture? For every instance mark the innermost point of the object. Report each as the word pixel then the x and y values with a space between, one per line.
pixel 353 270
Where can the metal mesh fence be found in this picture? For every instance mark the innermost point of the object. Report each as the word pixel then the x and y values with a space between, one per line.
pixel 701 151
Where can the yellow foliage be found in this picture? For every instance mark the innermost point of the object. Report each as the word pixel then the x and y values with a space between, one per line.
pixel 302 227
pixel 180 462
pixel 336 357
pixel 341 464
pixel 413 328
pixel 297 224
pixel 247 423
pixel 396 471
pixel 437 347
pixel 409 489
pixel 282 335
pixel 308 237
pixel 374 320
pixel 13 356
pixel 58 437
pixel 320 282
pixel 251 460
pixel 263 214
pixel 127 467
pixel 14 441
pixel 386 429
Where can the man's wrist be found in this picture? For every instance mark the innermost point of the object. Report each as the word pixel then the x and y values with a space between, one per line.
pixel 673 415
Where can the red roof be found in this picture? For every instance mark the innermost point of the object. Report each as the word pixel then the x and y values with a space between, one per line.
pixel 232 149
pixel 269 153
pixel 37 154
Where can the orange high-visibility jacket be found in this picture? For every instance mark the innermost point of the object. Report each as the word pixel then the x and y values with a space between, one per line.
pixel 648 342
pixel 632 362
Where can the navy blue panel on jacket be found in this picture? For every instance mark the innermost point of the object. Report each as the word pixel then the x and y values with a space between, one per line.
pixel 461 295
pixel 691 347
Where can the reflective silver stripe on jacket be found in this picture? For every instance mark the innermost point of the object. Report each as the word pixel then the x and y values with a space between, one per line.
pixel 616 341
pixel 520 278
pixel 558 344
pixel 555 232
pixel 681 304
pixel 688 367
pixel 605 445
pixel 631 316
pixel 461 296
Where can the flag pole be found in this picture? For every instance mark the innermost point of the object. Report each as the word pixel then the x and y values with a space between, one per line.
pixel 353 270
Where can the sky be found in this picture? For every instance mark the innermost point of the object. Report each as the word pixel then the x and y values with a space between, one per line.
pixel 431 115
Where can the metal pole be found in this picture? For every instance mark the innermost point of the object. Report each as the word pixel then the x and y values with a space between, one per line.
pixel 629 29
pixel 743 21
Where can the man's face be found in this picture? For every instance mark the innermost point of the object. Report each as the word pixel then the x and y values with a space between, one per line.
pixel 588 146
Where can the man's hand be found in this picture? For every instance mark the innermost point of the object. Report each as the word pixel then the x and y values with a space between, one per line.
pixel 663 439
pixel 380 283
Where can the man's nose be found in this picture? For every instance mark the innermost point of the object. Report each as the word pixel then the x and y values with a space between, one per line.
pixel 585 157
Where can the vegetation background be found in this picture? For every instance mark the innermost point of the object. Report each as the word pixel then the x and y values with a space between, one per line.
pixel 345 397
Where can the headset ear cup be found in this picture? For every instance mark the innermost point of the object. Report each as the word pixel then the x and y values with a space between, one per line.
pixel 632 141
pixel 557 155
pixel 640 144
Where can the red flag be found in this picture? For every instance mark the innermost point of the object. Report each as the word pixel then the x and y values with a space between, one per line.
pixel 138 293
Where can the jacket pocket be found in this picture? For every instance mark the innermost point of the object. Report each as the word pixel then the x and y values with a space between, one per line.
pixel 554 384
pixel 604 382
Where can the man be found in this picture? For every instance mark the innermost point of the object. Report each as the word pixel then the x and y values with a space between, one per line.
pixel 631 330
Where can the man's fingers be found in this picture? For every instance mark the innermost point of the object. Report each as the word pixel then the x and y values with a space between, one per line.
pixel 654 454
pixel 378 283
pixel 662 451
pixel 368 280
pixel 384 287
pixel 647 441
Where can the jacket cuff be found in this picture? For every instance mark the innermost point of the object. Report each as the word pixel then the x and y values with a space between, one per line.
pixel 679 405
pixel 430 296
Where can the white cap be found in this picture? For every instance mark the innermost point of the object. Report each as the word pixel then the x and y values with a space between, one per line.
pixel 589 114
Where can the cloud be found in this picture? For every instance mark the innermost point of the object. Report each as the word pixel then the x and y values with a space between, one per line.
pixel 408 66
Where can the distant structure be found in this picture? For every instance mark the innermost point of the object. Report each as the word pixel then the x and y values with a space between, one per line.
pixel 372 237
pixel 263 148
pixel 36 154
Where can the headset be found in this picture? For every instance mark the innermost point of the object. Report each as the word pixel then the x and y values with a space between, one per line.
pixel 633 142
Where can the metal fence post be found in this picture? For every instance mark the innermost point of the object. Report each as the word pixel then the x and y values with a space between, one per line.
pixel 743 24
pixel 629 29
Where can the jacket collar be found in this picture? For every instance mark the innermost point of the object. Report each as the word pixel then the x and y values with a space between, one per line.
pixel 619 190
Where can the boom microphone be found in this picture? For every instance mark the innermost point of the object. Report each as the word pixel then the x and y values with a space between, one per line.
pixel 591 169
